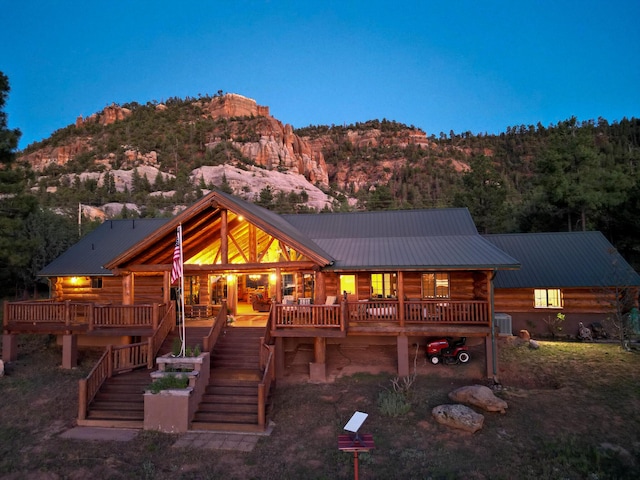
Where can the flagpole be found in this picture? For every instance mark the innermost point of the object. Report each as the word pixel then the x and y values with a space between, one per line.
pixel 183 329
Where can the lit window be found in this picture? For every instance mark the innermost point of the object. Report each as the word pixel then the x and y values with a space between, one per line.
pixel 383 285
pixel 547 298
pixel 348 284
pixel 435 285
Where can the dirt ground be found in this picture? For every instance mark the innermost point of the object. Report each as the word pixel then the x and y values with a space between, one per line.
pixel 573 414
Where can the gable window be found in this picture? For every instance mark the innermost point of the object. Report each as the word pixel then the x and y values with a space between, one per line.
pixel 383 285
pixel 96 282
pixel 348 284
pixel 547 298
pixel 435 285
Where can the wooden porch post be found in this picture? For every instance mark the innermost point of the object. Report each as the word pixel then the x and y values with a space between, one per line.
pixel 127 289
pixel 278 285
pixel 403 355
pixel 69 351
pixel 9 347
pixel 401 298
pixel 320 288
pixel 279 357
pixel 166 287
pixel 488 348
pixel 318 368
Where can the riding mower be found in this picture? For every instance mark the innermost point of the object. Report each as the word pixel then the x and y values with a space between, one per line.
pixel 448 351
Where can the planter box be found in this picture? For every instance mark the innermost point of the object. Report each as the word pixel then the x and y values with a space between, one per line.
pixel 172 410
pixel 168 410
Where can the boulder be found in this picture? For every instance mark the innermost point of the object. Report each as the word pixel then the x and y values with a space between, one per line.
pixel 533 344
pixel 525 335
pixel 1 368
pixel 479 396
pixel 458 416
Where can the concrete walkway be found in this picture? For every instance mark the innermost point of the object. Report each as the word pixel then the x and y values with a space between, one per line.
pixel 240 442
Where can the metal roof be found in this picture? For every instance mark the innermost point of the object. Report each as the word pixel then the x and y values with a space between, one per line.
pixel 569 259
pixel 409 239
pixel 87 257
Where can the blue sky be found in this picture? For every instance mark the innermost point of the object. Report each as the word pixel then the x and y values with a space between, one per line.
pixel 476 66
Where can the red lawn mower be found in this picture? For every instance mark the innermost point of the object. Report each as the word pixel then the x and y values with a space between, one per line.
pixel 448 351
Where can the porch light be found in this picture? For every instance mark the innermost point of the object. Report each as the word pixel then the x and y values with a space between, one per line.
pixel 273 278
pixel 230 278
pixel 74 280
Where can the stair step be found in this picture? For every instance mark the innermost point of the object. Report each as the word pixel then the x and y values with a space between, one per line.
pixel 228 399
pixel 118 397
pixel 225 408
pixel 250 390
pixel 120 406
pixel 226 417
pixel 115 415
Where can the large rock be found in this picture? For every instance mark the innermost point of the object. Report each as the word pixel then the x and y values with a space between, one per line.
pixel 1 368
pixel 479 396
pixel 458 416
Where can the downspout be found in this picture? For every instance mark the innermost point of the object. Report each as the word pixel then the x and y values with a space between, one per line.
pixel 494 354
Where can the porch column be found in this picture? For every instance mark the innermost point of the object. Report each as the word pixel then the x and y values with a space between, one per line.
pixel 127 289
pixel 9 347
pixel 320 294
pixel 403 355
pixel 69 351
pixel 279 358
pixel 166 287
pixel 318 368
pixel 488 350
pixel 401 298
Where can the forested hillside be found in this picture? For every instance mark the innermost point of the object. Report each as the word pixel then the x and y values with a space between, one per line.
pixel 575 175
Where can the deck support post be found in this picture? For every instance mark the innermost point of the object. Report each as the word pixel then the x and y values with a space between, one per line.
pixel 318 368
pixel 488 350
pixel 69 351
pixel 9 347
pixel 403 355
pixel 279 360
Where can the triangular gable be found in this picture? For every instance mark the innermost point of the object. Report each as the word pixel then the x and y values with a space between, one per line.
pixel 201 224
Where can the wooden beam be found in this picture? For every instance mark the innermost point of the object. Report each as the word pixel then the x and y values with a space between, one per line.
pixel 224 241
pixel 253 244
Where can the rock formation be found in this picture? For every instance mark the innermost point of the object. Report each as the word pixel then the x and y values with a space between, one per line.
pixel 479 396
pixel 458 416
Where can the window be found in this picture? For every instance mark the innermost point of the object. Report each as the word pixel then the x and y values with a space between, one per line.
pixel 547 298
pixel 383 285
pixel 435 285
pixel 348 284
pixel 96 282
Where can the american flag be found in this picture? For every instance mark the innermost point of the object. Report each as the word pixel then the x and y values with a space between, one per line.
pixel 176 270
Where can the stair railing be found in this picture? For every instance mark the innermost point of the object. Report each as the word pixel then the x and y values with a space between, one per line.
pixel 264 387
pixel 89 386
pixel 209 340
pixel 167 324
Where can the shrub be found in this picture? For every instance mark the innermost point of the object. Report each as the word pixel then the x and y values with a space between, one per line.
pixel 167 382
pixel 393 404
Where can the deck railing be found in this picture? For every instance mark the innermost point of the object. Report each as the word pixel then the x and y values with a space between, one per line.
pixel 306 316
pixel 474 312
pixel 447 311
pixel 89 316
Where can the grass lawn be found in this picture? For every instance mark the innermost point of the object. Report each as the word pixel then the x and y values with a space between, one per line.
pixel 574 413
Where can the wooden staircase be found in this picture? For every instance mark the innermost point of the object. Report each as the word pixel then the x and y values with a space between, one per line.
pixel 120 400
pixel 230 402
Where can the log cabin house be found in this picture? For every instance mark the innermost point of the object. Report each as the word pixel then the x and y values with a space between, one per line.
pixel 388 277
pixel 578 274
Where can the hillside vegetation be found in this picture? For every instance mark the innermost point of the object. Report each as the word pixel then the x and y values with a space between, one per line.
pixel 570 176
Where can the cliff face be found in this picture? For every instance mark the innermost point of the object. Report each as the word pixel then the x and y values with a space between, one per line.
pixel 160 136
